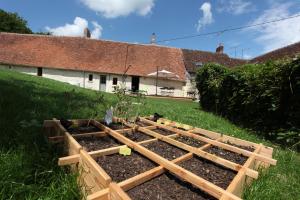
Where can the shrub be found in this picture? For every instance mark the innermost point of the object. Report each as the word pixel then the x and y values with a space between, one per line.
pixel 264 97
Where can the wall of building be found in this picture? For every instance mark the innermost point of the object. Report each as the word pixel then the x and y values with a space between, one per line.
pixel 81 79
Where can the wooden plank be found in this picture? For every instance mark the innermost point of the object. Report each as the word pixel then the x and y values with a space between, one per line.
pixel 179 171
pixel 237 184
pixel 220 144
pixel 101 195
pixel 100 175
pixel 116 193
pixel 143 177
pixel 215 159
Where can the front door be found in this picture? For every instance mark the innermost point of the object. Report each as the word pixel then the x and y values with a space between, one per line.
pixel 103 83
pixel 135 83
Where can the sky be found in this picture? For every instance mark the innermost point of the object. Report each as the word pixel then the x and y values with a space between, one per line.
pixel 135 20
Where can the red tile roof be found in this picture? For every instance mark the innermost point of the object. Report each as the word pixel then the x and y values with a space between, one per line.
pixel 288 51
pixel 75 53
pixel 191 57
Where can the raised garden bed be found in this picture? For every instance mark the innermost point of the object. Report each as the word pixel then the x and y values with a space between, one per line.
pixel 165 150
pixel 142 124
pixel 120 167
pixel 167 187
pixel 163 164
pixel 117 126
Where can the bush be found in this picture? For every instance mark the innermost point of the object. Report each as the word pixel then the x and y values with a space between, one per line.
pixel 264 97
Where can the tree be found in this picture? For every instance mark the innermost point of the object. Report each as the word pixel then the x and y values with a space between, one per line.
pixel 12 22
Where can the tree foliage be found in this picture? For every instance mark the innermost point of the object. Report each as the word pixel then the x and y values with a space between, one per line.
pixel 12 22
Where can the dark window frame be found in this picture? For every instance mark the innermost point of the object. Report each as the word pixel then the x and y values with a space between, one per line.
pixel 39 71
pixel 91 77
pixel 115 81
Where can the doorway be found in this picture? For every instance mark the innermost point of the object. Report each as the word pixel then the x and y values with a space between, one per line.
pixel 135 83
pixel 103 83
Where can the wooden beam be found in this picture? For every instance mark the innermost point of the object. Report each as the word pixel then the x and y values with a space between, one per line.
pixel 215 159
pixel 237 184
pixel 218 144
pixel 201 183
pixel 116 193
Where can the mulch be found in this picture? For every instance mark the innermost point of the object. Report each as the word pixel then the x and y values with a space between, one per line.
pixel 228 155
pixel 137 136
pixel 216 174
pixel 93 143
pixel 120 167
pixel 83 129
pixel 248 148
pixel 117 126
pixel 167 187
pixel 190 141
pixel 165 150
pixel 163 131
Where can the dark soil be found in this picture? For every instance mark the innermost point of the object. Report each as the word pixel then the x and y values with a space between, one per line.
pixel 190 141
pixel 242 147
pixel 137 136
pixel 163 131
pixel 216 174
pixel 120 167
pixel 83 129
pixel 96 143
pixel 228 155
pixel 167 187
pixel 117 126
pixel 142 124
pixel 164 149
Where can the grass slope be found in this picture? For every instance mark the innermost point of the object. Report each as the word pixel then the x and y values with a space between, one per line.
pixel 28 164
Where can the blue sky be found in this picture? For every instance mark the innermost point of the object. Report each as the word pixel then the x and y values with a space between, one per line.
pixel 135 20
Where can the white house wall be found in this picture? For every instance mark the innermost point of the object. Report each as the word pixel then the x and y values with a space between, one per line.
pixel 81 79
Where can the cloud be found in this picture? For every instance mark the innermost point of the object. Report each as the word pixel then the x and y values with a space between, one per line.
pixel 235 7
pixel 207 17
pixel 76 29
pixel 279 34
pixel 118 8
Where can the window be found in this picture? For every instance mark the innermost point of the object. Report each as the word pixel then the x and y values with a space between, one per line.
pixel 199 64
pixel 90 77
pixel 115 81
pixel 40 71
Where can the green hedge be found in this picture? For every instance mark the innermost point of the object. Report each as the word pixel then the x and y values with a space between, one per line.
pixel 263 97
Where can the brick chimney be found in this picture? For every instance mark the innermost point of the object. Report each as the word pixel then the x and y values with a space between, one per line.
pixel 86 33
pixel 220 49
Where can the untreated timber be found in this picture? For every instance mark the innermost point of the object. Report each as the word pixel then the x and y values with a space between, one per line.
pixel 201 183
pixel 217 143
pixel 215 159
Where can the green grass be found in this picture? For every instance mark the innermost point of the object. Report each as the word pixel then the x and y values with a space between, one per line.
pixel 28 164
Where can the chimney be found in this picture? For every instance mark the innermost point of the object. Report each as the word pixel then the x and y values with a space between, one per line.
pixel 86 33
pixel 220 49
pixel 153 39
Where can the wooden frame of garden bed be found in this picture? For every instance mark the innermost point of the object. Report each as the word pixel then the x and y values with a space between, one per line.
pixel 98 185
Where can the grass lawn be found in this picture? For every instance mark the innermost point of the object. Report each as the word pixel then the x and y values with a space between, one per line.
pixel 28 164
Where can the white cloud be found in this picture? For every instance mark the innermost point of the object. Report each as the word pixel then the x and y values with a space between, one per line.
pixel 76 29
pixel 117 8
pixel 235 7
pixel 97 31
pixel 207 17
pixel 279 34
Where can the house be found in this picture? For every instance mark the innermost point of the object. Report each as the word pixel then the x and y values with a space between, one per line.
pixel 289 51
pixel 94 64
pixel 102 64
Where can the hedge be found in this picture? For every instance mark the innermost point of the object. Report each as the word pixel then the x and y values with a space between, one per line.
pixel 264 97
